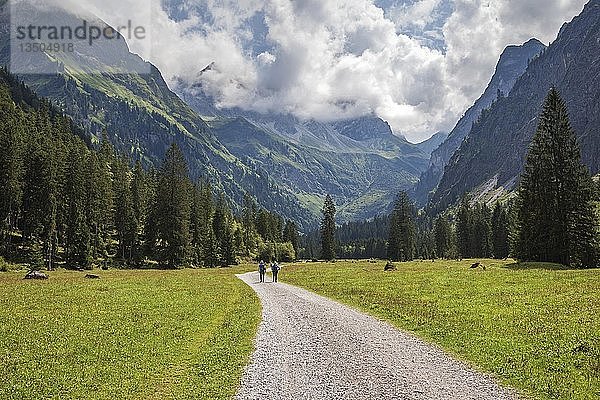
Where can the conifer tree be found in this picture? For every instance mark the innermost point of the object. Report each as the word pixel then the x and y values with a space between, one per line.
pixel 290 235
pixel 402 234
pixel 11 169
pixel 464 229
pixel 140 197
pixel 557 220
pixel 173 209
pixel 100 211
pixel 481 238
pixel 442 233
pixel 78 249
pixel 126 223
pixel 223 230
pixel 249 223
pixel 500 232
pixel 328 230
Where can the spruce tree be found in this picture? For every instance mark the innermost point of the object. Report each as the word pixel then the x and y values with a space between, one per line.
pixel 464 225
pixel 140 198
pixel 126 223
pixel 11 168
pixel 328 230
pixel 557 220
pixel 481 234
pixel 402 233
pixel 173 209
pixel 249 234
pixel 442 234
pixel 223 231
pixel 290 234
pixel 78 247
pixel 500 232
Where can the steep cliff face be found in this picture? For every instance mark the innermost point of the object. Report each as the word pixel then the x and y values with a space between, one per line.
pixel 510 67
pixel 495 149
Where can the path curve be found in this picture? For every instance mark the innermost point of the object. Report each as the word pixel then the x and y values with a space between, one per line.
pixel 310 347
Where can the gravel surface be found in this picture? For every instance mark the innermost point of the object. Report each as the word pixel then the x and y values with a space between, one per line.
pixel 310 347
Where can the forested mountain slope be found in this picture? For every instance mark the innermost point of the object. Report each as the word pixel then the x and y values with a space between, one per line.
pixel 512 64
pixel 493 154
pixel 142 117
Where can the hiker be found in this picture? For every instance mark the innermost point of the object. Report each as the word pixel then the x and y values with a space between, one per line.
pixel 275 270
pixel 262 269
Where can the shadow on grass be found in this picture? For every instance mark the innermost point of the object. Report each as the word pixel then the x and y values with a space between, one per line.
pixel 520 266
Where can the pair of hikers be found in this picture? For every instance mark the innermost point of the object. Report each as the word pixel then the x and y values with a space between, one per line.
pixel 262 270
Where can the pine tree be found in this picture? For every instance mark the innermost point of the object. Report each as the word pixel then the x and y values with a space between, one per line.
pixel 442 233
pixel 557 220
pixel 328 230
pixel 500 232
pixel 402 234
pixel 173 209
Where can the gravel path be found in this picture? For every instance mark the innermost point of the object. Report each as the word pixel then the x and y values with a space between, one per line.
pixel 310 347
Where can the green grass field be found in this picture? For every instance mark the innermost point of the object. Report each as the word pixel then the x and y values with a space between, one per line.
pixel 536 328
pixel 130 335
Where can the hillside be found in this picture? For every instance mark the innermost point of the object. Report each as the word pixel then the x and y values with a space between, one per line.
pixel 492 157
pixel 143 117
pixel 510 67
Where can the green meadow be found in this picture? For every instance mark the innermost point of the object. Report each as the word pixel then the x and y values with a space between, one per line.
pixel 534 327
pixel 129 335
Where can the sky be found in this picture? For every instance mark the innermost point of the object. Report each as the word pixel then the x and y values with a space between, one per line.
pixel 418 64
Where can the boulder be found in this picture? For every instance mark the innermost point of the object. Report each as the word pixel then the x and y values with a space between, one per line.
pixel 36 275
pixel 390 266
pixel 477 265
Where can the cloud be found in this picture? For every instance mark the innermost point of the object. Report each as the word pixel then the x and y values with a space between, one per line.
pixel 344 58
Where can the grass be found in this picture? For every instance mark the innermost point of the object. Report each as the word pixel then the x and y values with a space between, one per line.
pixel 535 327
pixel 130 335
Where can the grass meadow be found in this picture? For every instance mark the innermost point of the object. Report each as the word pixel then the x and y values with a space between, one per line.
pixel 534 327
pixel 129 335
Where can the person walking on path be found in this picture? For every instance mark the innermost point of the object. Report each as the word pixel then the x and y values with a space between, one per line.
pixel 262 270
pixel 275 270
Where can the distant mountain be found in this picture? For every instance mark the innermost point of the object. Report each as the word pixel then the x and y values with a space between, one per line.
pixel 360 162
pixel 492 157
pixel 512 64
pixel 428 146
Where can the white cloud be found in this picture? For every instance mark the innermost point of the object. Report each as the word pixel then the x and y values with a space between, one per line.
pixel 345 58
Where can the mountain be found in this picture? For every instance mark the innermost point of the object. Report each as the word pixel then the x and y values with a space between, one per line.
pixel 430 145
pixel 512 64
pixel 141 115
pixel 288 164
pixel 360 162
pixel 492 157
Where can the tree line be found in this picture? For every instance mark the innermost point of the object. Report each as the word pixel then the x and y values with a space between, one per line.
pixel 67 202
pixel 553 218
